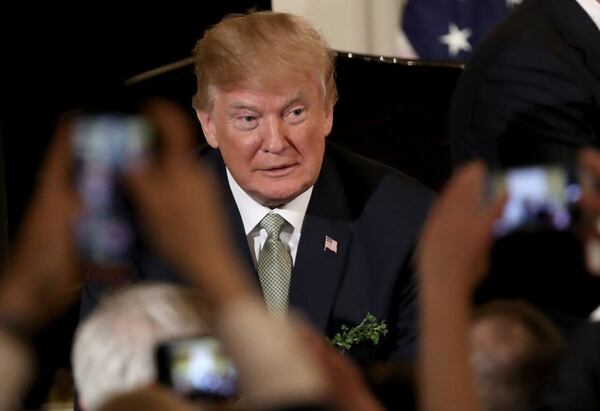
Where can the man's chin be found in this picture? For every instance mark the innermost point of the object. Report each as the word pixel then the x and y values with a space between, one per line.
pixel 276 199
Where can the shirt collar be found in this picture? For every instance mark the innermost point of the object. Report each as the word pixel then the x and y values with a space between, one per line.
pixel 592 8
pixel 253 212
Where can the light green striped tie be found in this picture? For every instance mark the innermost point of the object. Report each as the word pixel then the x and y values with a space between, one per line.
pixel 275 266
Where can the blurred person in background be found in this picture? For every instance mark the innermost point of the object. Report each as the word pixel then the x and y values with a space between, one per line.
pixel 531 92
pixel 514 349
pixel 113 351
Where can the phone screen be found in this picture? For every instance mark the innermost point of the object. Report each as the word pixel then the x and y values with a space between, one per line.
pixel 197 367
pixel 104 146
pixel 539 198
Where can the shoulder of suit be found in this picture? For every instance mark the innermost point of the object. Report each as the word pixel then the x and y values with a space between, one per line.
pixel 531 23
pixel 534 24
pixel 362 174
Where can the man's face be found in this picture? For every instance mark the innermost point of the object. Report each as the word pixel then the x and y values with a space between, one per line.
pixel 271 141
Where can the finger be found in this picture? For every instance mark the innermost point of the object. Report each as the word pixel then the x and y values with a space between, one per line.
pixel 174 128
pixel 590 159
pixel 140 183
pixel 494 208
pixel 463 192
pixel 492 213
pixel 56 169
pixel 590 203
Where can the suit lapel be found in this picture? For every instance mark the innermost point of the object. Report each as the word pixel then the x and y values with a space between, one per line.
pixel 215 162
pixel 318 272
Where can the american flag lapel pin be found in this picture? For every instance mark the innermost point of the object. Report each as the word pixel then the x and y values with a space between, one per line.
pixel 330 244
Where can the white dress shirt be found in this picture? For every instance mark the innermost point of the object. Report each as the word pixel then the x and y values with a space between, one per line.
pixel 253 212
pixel 592 8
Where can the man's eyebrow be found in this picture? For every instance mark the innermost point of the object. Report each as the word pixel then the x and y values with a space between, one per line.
pixel 299 98
pixel 243 106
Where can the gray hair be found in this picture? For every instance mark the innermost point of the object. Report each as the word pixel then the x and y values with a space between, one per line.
pixel 114 348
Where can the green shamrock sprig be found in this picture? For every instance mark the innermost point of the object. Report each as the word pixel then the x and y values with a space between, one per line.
pixel 368 329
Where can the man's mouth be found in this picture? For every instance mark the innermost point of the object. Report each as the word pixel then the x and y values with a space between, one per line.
pixel 279 170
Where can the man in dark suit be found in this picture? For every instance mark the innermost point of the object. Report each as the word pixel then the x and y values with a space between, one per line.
pixel 531 92
pixel 265 100
pixel 374 214
pixel 324 231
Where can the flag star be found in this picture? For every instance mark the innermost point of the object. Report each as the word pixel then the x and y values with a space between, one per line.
pixel 512 3
pixel 456 39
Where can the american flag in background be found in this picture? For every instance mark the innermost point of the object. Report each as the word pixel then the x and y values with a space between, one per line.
pixel 450 29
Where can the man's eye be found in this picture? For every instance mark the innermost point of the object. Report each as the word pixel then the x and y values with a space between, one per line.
pixel 296 115
pixel 246 122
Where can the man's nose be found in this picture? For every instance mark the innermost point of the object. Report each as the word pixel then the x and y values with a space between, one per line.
pixel 275 137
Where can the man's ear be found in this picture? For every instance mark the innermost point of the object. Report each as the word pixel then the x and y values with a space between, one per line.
pixel 328 125
pixel 208 128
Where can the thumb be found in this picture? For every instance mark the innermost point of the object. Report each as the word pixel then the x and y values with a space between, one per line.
pixel 174 127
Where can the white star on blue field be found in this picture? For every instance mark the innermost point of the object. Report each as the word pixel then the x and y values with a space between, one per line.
pixel 451 29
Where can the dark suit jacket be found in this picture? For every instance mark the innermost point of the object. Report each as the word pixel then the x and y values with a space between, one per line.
pixel 531 92
pixel 375 214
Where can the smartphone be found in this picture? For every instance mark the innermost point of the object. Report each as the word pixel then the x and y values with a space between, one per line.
pixel 104 147
pixel 538 198
pixel 196 367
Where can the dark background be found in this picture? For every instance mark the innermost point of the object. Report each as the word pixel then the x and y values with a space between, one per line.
pixel 57 57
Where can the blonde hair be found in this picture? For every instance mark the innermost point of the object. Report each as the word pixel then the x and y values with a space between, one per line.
pixel 261 51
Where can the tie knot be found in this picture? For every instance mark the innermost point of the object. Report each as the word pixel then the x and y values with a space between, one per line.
pixel 273 224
